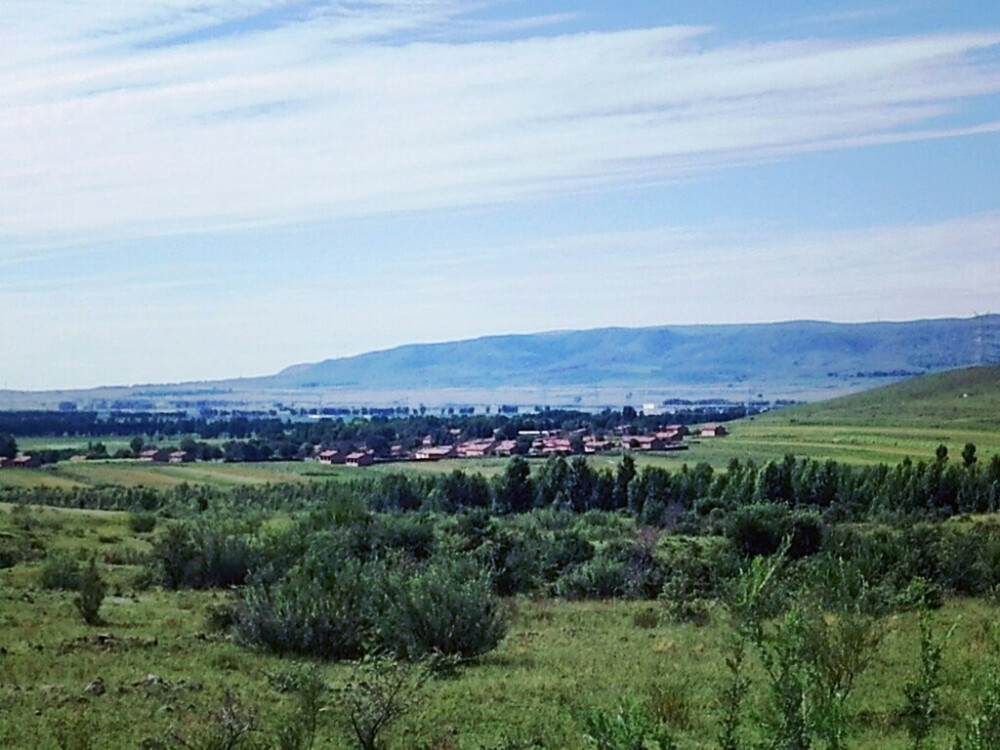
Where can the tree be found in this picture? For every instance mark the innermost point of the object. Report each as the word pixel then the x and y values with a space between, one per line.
pixel 941 454
pixel 969 454
pixel 8 446
pixel 624 475
pixel 515 493
pixel 136 445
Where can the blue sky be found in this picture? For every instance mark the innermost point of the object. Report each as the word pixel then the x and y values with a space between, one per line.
pixel 195 190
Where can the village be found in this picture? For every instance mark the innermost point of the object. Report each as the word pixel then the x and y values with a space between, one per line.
pixel 529 443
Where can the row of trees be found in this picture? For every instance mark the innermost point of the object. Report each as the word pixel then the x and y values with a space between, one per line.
pixel 407 429
pixel 693 498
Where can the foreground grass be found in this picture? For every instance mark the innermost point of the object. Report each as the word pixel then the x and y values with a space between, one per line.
pixel 163 672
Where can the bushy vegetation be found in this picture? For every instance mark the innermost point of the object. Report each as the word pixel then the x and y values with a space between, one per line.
pixel 792 575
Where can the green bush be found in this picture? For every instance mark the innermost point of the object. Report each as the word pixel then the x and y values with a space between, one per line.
pixel 330 617
pixel 762 529
pixel 448 607
pixel 92 590
pixel 600 578
pixel 142 522
pixel 204 555
pixel 60 572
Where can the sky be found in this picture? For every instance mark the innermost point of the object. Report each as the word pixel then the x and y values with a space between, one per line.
pixel 207 189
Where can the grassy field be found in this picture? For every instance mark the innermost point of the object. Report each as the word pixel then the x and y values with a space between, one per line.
pixel 162 671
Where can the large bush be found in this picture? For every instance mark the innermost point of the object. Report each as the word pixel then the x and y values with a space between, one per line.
pixel 331 618
pixel 206 555
pixel 447 607
pixel 763 528
pixel 333 605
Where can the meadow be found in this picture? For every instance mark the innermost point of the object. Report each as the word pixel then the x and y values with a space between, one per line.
pixel 155 669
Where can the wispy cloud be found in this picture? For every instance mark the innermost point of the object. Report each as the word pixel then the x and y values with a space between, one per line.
pixel 129 120
pixel 165 329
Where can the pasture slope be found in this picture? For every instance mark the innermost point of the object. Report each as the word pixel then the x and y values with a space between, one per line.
pixel 884 425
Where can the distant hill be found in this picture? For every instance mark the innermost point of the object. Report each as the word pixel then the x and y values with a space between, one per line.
pixel 961 399
pixel 800 352
pixel 802 360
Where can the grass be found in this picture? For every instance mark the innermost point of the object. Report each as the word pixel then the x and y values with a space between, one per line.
pixel 559 660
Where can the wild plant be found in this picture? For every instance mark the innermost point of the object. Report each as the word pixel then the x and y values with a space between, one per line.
pixel 921 711
pixel 627 727
pixel 92 590
pixel 380 691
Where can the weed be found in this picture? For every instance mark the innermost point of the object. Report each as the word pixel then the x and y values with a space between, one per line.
pixel 627 727
pixel 380 691
pixel 982 729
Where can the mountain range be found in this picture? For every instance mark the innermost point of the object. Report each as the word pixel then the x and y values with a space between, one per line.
pixel 789 352
pixel 798 359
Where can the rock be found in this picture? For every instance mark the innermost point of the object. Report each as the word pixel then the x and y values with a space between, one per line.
pixel 96 687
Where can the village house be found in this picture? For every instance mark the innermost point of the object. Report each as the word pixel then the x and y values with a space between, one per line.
pixel 26 462
pixel 180 457
pixel 553 446
pixel 476 448
pixel 594 444
pixel 331 456
pixel 505 448
pixel 643 442
pixel 434 452
pixel 359 458
pixel 713 430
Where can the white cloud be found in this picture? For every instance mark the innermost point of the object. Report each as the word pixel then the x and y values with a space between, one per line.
pixel 329 115
pixel 192 322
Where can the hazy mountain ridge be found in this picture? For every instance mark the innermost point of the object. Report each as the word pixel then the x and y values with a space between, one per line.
pixel 709 354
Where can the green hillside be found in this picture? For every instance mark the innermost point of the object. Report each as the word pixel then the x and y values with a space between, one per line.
pixel 958 399
pixel 909 419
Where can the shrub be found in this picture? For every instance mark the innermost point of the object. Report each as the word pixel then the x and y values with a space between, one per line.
pixel 761 530
pixel 197 555
pixel 600 578
pixel 60 572
pixel 331 617
pixel 142 522
pixel 448 607
pixel 380 692
pixel 92 590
